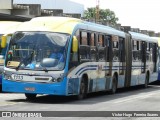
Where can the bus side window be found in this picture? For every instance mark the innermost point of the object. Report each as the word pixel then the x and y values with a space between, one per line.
pixel 143 51
pixel 136 50
pixel 84 48
pixel 109 48
pixel 101 48
pixel 115 45
pixel 151 50
pixel 122 49
pixel 154 55
pixel 93 51
pixel 147 51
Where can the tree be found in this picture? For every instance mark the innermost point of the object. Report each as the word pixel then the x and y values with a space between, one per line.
pixel 105 15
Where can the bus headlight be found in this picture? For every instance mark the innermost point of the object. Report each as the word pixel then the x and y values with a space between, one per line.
pixel 57 79
pixel 7 76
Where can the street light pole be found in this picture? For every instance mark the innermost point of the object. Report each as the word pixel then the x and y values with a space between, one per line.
pixel 97 11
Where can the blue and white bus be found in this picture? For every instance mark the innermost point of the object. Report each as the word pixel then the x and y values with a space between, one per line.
pixel 7 27
pixel 91 58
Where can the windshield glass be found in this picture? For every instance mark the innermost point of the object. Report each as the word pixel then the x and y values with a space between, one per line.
pixel 37 51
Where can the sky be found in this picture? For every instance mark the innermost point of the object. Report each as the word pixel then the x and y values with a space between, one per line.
pixel 143 14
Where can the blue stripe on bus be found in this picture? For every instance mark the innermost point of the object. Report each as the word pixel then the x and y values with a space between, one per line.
pixel 94 67
pixel 85 68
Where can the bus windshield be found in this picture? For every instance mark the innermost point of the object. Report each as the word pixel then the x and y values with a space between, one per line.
pixel 37 51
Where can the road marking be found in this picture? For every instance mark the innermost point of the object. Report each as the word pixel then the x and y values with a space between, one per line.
pixel 7 103
pixel 135 97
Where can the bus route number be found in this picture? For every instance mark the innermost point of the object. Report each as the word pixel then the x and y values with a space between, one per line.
pixel 17 77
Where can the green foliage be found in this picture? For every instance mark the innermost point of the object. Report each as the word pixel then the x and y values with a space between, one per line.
pixel 105 15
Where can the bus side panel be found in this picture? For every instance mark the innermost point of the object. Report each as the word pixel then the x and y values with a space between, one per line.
pixel 142 78
pixel 153 77
pixel 121 81
pixel 73 86
pixel 135 72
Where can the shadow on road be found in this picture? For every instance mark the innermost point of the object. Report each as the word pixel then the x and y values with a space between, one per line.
pixel 92 98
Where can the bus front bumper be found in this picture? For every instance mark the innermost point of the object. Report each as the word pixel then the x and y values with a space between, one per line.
pixel 35 88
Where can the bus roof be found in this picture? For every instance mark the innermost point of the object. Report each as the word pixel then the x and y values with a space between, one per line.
pixel 65 25
pixel 53 24
pixel 8 26
pixel 142 37
pixel 106 29
pixel 157 39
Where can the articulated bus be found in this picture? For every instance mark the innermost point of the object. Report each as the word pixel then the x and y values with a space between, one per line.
pixel 7 27
pixel 90 58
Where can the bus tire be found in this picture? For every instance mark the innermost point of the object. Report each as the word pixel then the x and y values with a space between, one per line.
pixel 83 90
pixel 114 85
pixel 146 81
pixel 30 96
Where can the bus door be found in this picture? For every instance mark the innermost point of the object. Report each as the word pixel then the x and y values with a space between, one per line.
pixel 143 55
pixel 154 56
pixel 121 56
pixel 109 56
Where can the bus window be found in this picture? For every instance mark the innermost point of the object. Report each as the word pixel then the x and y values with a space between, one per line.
pixel 154 56
pixel 147 53
pixel 134 45
pixel 84 49
pixel 93 50
pixel 101 48
pixel 115 46
pixel 109 48
pixel 143 56
pixel 136 50
pixel 101 40
pixel 122 49
pixel 83 38
pixel 93 39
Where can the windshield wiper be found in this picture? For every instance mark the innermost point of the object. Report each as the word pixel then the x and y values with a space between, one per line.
pixel 25 61
pixel 45 69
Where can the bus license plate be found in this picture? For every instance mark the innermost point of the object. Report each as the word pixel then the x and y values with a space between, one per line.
pixel 17 77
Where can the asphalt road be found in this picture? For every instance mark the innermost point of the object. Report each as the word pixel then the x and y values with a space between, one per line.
pixel 94 106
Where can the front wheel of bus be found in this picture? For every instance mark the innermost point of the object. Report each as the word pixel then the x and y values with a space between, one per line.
pixel 82 92
pixel 30 96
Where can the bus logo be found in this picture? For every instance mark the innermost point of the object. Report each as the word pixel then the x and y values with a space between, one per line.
pixel 29 88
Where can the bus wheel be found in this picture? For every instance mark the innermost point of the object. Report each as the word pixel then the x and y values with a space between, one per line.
pixel 30 96
pixel 146 81
pixel 82 92
pixel 114 85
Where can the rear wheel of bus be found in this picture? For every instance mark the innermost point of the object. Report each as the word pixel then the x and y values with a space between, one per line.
pixel 146 80
pixel 114 85
pixel 30 96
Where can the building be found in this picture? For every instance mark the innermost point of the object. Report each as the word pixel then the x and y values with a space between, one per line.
pixel 27 9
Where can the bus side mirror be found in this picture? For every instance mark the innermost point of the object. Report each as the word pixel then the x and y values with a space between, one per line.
pixel 3 41
pixel 74 44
